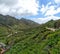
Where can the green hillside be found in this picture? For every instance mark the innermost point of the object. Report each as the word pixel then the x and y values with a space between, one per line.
pixel 35 41
pixel 53 23
pixel 31 38
pixel 17 24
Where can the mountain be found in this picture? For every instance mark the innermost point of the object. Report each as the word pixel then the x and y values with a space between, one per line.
pixel 23 36
pixel 9 25
pixel 16 23
pixel 29 23
pixel 53 23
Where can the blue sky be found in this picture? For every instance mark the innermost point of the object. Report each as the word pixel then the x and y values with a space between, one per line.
pixel 39 11
pixel 48 9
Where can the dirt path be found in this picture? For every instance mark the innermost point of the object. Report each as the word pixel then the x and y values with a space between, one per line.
pixel 52 29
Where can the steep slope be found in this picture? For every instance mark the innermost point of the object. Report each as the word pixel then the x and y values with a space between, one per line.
pixel 29 23
pixel 36 41
pixel 10 25
pixel 16 23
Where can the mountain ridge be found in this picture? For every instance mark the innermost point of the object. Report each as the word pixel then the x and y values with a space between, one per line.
pixel 13 22
pixel 24 37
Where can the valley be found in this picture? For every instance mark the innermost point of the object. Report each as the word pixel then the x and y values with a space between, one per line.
pixel 28 37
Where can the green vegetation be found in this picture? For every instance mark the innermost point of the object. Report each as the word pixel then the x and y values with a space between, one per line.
pixel 30 40
pixel 17 24
pixel 37 41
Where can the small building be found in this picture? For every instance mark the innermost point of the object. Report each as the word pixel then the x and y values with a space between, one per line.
pixel 2 48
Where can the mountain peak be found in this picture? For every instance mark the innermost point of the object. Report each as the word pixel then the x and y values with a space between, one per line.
pixel 13 22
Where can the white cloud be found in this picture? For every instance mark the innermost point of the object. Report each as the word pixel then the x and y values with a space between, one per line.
pixel 57 1
pixel 29 7
pixel 8 2
pixel 46 19
pixel 19 7
pixel 49 9
pixel 45 8
pixel 3 9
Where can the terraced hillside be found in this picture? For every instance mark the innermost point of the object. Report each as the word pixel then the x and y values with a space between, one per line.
pixel 35 41
pixel 43 39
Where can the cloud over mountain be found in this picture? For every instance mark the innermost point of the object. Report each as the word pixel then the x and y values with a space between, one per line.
pixel 36 9
pixel 49 11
